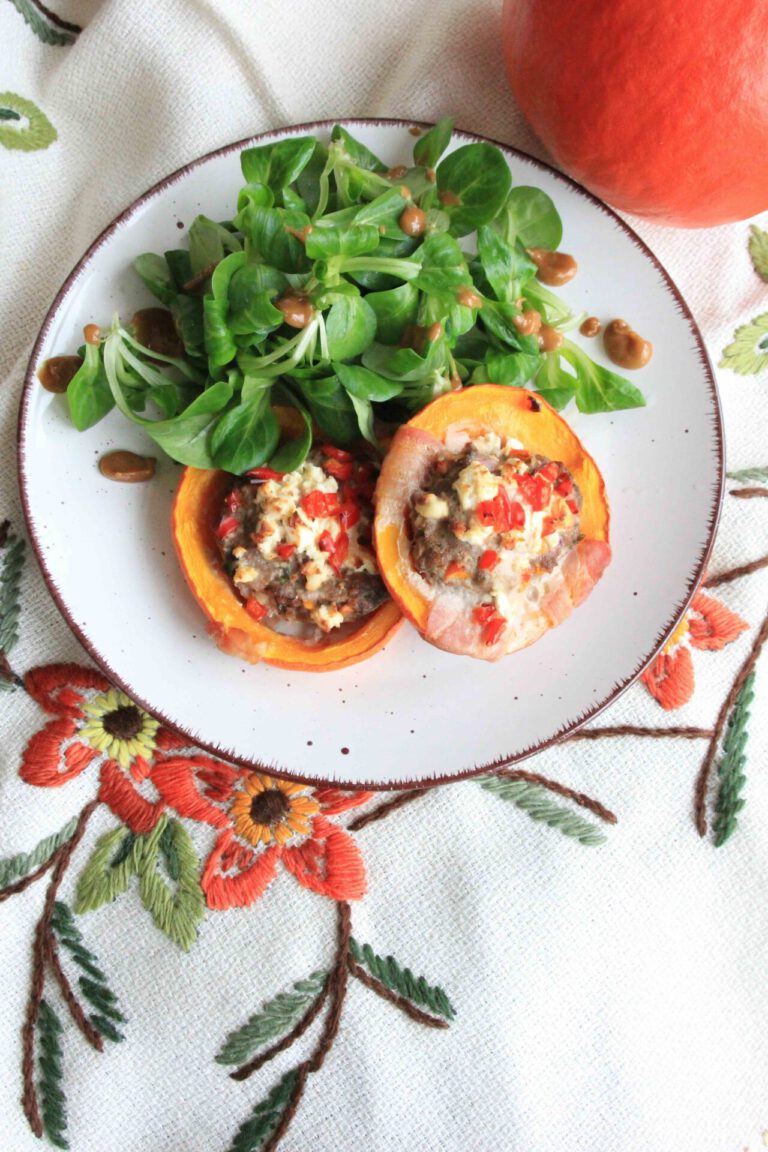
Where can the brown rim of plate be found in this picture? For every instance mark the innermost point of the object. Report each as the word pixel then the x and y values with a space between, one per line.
pixel 502 761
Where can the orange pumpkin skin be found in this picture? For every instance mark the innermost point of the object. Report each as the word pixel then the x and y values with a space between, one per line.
pixel 196 511
pixel 514 413
pixel 659 108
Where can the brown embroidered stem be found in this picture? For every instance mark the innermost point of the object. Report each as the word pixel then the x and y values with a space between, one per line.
pixel 388 806
pixel 702 780
pixel 635 730
pixel 594 806
pixel 75 1008
pixel 748 493
pixel 246 1070
pixel 392 997
pixel 39 952
pixel 337 988
pixel 57 20
pixel 26 881
pixel 7 673
pixel 734 573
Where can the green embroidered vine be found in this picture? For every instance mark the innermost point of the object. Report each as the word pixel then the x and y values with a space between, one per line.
pixel 46 25
pixel 178 910
pixel 11 569
pixel 113 861
pixel 402 980
pixel 536 803
pixel 749 475
pixel 93 984
pixel 276 1017
pixel 35 131
pixel 730 770
pixel 252 1136
pixel 758 250
pixel 49 1055
pixel 14 867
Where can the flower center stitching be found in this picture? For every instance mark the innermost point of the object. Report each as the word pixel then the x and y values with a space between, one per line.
pixel 269 807
pixel 123 723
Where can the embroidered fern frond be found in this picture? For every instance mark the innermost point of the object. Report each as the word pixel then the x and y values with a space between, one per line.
pixel 44 28
pixel 93 984
pixel 263 1121
pixel 276 1017
pixel 10 583
pixel 749 475
pixel 176 910
pixel 53 1105
pixel 14 867
pixel 402 980
pixel 108 871
pixel 537 803
pixel 731 767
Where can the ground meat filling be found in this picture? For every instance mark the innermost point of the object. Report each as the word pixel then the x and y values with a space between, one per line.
pixel 297 545
pixel 494 520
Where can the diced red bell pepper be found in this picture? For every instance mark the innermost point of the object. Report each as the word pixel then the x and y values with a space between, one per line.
pixel 227 525
pixel 255 608
pixel 535 491
pixel 341 469
pixel 264 474
pixel 455 571
pixel 483 613
pixel 285 551
pixel 339 554
pixel 233 500
pixel 549 472
pixel 335 453
pixel 326 542
pixel 572 505
pixel 488 560
pixel 564 485
pixel 317 504
pixel 493 630
pixel 548 525
pixel 349 513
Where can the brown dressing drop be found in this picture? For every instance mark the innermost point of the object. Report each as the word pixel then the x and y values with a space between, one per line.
pixel 528 323
pixel 415 131
pixel 431 175
pixel 92 334
pixel 553 268
pixel 300 233
pixel 450 199
pixel 155 329
pixel 199 280
pixel 625 347
pixel 591 326
pixel 413 221
pixel 397 172
pixel 416 337
pixel 127 467
pixel 468 298
pixel 549 338
pixel 297 310
pixel 55 374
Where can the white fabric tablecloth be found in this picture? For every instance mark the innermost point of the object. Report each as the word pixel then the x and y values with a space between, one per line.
pixel 607 997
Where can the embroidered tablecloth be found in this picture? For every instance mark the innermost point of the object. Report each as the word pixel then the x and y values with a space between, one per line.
pixel 567 955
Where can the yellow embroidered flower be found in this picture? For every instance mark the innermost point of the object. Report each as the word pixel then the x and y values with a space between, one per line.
pixel 678 635
pixel 265 809
pixel 116 727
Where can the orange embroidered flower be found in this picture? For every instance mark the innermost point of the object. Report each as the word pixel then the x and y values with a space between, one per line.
pixel 707 625
pixel 264 821
pixel 92 721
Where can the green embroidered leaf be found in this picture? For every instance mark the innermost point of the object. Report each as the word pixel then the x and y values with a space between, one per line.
pixel 14 867
pixel 10 582
pixel 45 28
pixel 34 130
pixel 93 984
pixel 276 1018
pixel 537 803
pixel 263 1121
pixel 749 475
pixel 178 912
pixel 731 767
pixel 52 1099
pixel 758 251
pixel 402 980
pixel 748 354
pixel 9 114
pixel 109 870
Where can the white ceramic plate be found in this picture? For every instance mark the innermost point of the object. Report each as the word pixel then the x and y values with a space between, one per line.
pixel 412 713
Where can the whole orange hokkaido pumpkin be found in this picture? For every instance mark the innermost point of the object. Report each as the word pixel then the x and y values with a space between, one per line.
pixel 660 107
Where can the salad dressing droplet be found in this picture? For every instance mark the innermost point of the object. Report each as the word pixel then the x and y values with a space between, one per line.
pixel 127 467
pixel 55 374
pixel 296 309
pixel 625 347
pixel 553 268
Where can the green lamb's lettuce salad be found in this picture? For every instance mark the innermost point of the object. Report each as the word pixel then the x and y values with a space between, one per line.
pixel 320 295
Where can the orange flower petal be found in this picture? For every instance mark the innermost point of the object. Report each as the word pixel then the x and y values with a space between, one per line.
pixel 118 793
pixel 43 762
pixel 255 872
pixel 334 800
pixel 187 782
pixel 54 686
pixel 330 863
pixel 670 679
pixel 712 625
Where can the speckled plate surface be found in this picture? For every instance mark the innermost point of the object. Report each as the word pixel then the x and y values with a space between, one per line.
pixel 411 714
